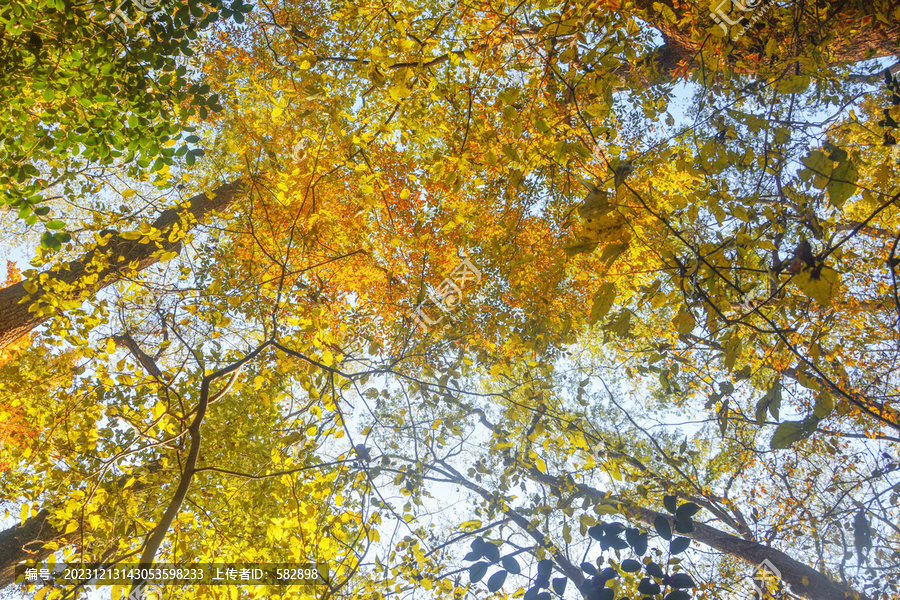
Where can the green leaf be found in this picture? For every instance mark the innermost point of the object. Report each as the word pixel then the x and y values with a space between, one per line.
pixel 791 432
pixel 477 571
pixel 684 525
pixel 603 301
pixel 511 564
pixel 612 251
pixel 843 183
pixel 491 552
pixel 629 565
pixel 687 510
pixel 824 405
pixel 559 585
pixel 684 321
pixel 654 570
pixel 581 246
pixel 48 240
pixel 793 84
pixel 637 540
pixel 496 581
pixel 54 225
pixel 771 402
pixel 544 568
pixel 661 524
pixel 671 503
pixel 679 545
pixel 648 587
pixel 681 580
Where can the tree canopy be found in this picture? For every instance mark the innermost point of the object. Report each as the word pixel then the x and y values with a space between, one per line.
pixel 454 300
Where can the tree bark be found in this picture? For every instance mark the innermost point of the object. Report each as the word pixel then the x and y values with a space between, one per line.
pixel 682 43
pixel 104 265
pixel 25 541
pixel 803 580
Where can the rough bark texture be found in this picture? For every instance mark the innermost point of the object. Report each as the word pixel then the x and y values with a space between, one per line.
pixel 24 542
pixel 105 264
pixel 793 572
pixel 874 40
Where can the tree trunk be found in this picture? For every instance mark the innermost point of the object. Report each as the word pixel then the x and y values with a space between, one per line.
pixel 25 541
pixel 682 43
pixel 104 265
pixel 803 580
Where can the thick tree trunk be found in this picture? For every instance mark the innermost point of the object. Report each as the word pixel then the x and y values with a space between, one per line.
pixel 25 541
pixel 803 580
pixel 816 587
pixel 683 42
pixel 104 265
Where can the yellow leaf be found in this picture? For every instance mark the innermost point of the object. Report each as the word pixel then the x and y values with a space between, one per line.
pixel 470 525
pixel 541 465
pixel 820 283
pixel 327 357
pixel 158 410
pixel 131 235
pixel 128 193
pixel 110 346
pixel 23 514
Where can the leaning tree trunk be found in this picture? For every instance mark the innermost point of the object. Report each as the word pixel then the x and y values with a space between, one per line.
pixel 872 38
pixel 77 280
pixel 26 541
pixel 803 580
